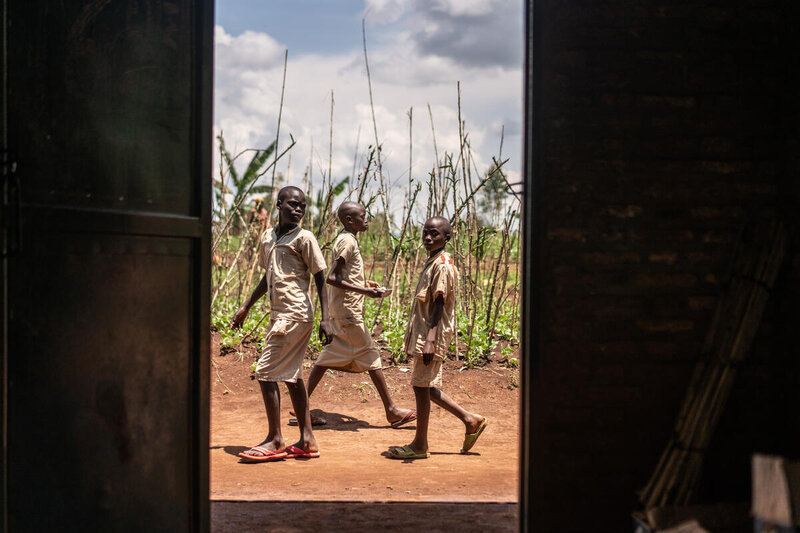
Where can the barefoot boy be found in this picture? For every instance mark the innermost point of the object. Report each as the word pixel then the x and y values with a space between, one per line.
pixel 352 349
pixel 430 329
pixel 291 256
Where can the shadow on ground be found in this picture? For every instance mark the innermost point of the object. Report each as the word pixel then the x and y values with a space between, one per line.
pixel 342 422
pixel 313 517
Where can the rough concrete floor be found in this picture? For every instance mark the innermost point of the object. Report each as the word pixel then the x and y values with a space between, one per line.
pixel 322 517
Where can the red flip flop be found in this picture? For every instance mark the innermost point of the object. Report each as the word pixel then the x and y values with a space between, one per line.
pixel 293 452
pixel 410 416
pixel 267 455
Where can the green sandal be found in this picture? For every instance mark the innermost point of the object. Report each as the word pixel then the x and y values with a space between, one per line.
pixel 471 438
pixel 405 452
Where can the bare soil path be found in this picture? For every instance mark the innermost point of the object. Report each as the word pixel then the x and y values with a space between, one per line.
pixel 351 467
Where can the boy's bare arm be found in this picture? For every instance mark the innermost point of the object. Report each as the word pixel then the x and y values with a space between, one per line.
pixel 241 314
pixel 335 280
pixel 325 330
pixel 430 341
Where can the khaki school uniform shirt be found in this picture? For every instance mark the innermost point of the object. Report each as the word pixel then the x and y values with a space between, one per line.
pixel 438 276
pixel 347 307
pixel 290 261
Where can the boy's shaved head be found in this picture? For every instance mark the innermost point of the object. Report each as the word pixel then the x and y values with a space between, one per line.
pixel 442 223
pixel 289 188
pixel 348 208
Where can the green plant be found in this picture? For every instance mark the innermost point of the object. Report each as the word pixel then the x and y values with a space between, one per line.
pixel 221 316
pixel 507 324
pixel 394 331
pixel 314 344
pixel 239 188
pixel 506 353
pixel 365 390
pixel 477 339
pixel 513 381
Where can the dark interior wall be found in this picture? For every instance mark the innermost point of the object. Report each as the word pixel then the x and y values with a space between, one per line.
pixel 658 128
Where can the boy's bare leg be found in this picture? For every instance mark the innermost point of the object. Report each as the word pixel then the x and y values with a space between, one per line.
pixel 471 420
pixel 423 397
pixel 272 404
pixel 314 377
pixel 393 413
pixel 297 392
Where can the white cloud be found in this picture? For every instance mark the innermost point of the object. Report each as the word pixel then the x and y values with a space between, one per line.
pixel 470 8
pixel 386 10
pixel 249 50
pixel 392 10
pixel 479 33
pixel 248 76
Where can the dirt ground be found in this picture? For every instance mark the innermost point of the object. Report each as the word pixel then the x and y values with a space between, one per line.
pixel 351 467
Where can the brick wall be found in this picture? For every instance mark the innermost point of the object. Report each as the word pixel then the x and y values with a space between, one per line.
pixel 660 128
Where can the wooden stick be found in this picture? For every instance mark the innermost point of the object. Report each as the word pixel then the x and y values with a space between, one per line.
pixel 757 259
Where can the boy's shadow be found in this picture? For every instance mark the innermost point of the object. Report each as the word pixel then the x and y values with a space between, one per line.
pixel 342 422
pixel 337 421
pixel 231 450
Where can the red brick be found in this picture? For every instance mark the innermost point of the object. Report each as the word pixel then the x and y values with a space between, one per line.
pixel 702 303
pixel 708 212
pixel 700 257
pixel 629 211
pixel 609 374
pixel 567 235
pixel 717 237
pixel 667 258
pixel 661 349
pixel 611 258
pixel 619 349
pixel 665 326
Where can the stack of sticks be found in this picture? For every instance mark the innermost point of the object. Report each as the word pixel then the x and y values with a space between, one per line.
pixel 756 261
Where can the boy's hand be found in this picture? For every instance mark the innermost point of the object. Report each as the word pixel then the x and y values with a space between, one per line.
pixel 427 352
pixel 371 283
pixel 374 292
pixel 325 332
pixel 239 317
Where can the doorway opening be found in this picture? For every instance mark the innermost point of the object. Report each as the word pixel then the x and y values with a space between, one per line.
pixel 434 130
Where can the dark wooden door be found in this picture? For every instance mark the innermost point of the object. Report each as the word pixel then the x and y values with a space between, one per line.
pixel 107 111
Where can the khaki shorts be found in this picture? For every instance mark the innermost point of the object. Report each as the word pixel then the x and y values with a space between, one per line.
pixel 286 344
pixel 351 349
pixel 429 375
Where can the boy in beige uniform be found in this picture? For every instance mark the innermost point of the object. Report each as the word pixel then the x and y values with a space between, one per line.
pixel 352 348
pixel 430 329
pixel 290 256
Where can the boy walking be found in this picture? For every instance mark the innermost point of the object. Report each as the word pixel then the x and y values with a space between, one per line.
pixel 290 256
pixel 352 348
pixel 428 335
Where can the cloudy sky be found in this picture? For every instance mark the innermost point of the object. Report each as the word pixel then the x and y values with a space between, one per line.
pixel 418 50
